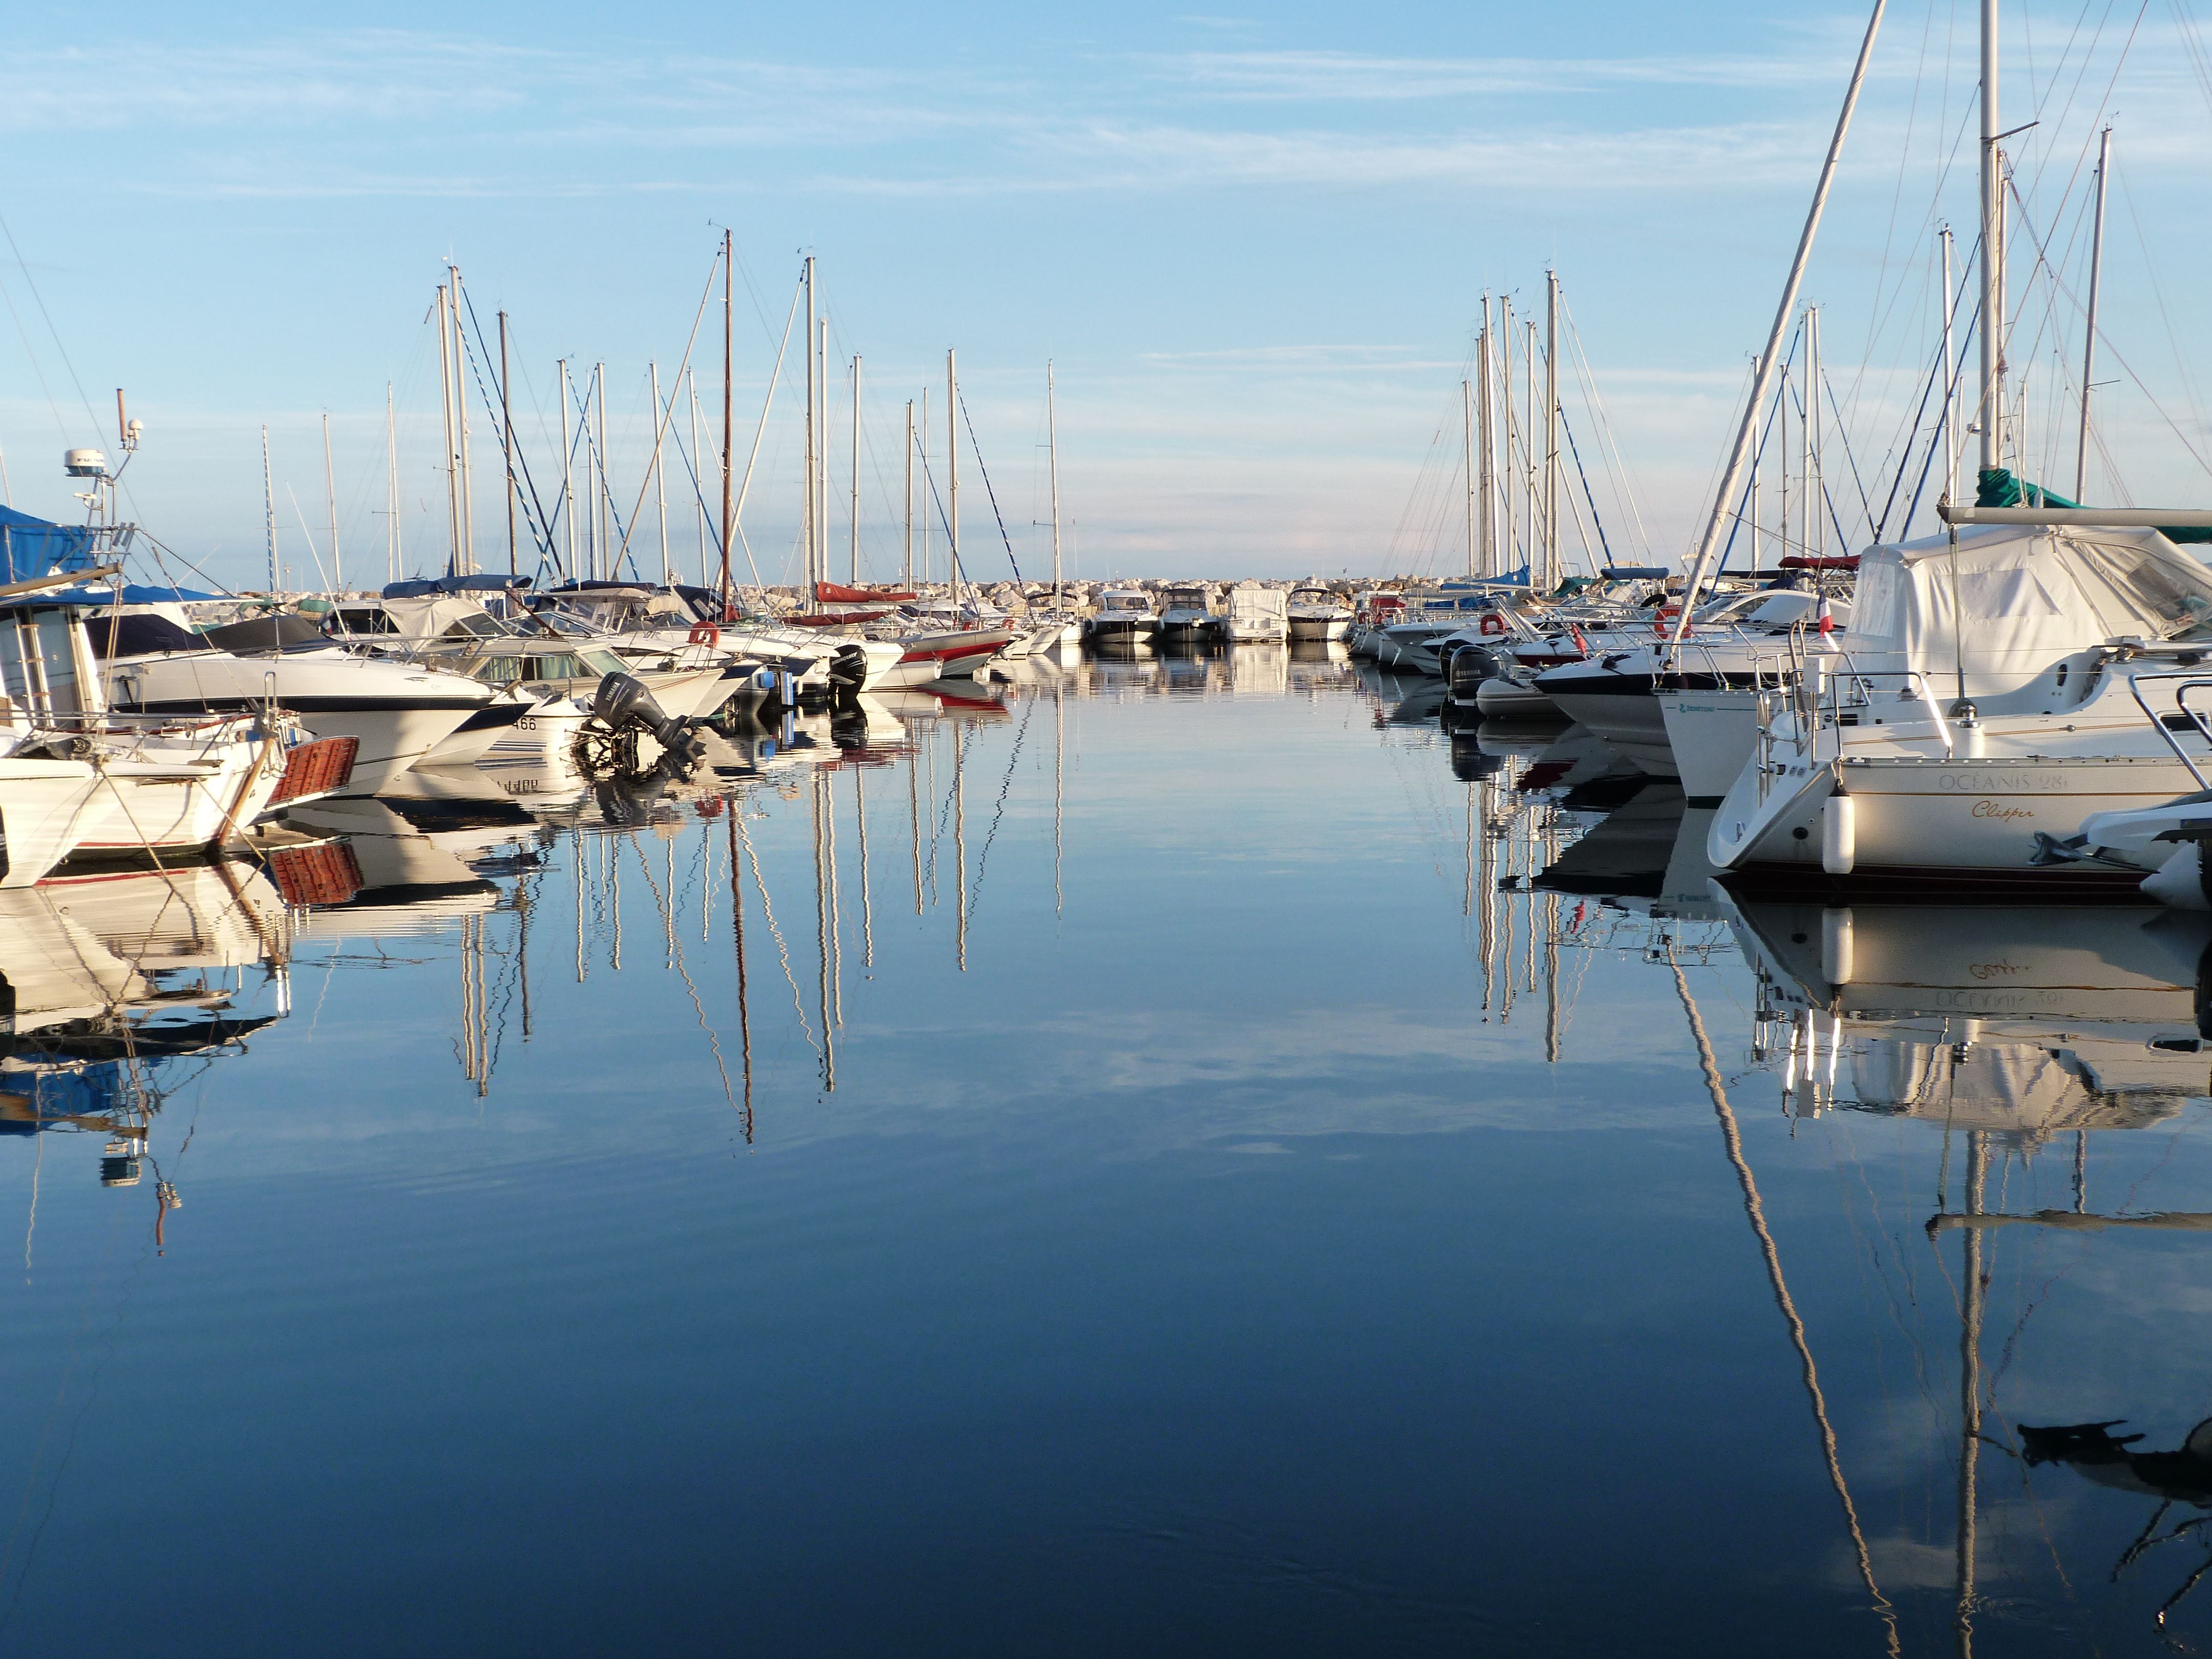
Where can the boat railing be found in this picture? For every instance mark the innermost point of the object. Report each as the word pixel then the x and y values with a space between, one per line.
pixel 1829 690
pixel 2183 719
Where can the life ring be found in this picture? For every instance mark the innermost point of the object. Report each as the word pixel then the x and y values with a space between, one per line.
pixel 1667 615
pixel 1493 623
pixel 706 634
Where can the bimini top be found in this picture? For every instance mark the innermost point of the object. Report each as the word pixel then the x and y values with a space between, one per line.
pixel 2005 601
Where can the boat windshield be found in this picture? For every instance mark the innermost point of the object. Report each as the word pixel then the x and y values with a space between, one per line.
pixel 602 662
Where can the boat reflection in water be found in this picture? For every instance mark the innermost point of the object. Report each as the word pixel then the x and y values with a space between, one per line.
pixel 2010 1028
pixel 2024 1022
pixel 121 985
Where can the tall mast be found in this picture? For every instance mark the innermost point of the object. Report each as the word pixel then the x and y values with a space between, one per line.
pixel 807 520
pixel 1950 429
pixel 1487 445
pixel 1505 389
pixel 729 316
pixel 446 414
pixel 853 546
pixel 822 471
pixel 1467 417
pixel 1551 430
pixel 568 483
pixel 952 474
pixel 906 561
pixel 331 488
pixel 2089 335
pixel 1538 534
pixel 601 500
pixel 698 496
pixel 466 560
pixel 921 442
pixel 1763 377
pixel 1782 448
pixel 268 504
pixel 1816 523
pixel 1751 503
pixel 659 479
pixel 1992 399
pixel 1052 463
pixel 506 441
pixel 391 486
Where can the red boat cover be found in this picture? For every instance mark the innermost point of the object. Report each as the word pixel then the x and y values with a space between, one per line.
pixel 838 593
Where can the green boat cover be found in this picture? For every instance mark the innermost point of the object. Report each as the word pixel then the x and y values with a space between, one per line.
pixel 2000 487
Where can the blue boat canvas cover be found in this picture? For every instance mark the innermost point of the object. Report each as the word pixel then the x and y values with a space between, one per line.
pixel 30 547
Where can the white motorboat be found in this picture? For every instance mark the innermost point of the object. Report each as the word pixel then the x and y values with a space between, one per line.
pixel 1186 613
pixel 1251 614
pixel 1317 614
pixel 1125 616
pixel 395 712
pixel 1737 641
pixel 78 780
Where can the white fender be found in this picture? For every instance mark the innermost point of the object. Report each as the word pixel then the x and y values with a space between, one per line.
pixel 1839 838
pixel 2179 881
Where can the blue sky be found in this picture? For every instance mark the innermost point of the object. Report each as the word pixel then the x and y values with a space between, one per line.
pixel 1252 243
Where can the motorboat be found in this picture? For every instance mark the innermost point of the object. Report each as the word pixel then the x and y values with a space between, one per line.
pixel 1738 641
pixel 1125 616
pixel 1186 613
pixel 153 664
pixel 1317 614
pixel 1252 614
pixel 78 780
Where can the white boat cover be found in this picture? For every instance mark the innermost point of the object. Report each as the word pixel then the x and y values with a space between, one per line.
pixel 2013 600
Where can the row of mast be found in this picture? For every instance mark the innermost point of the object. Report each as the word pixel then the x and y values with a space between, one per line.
pixel 1491 489
pixel 600 552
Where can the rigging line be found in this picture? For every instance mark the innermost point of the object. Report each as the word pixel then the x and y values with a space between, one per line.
pixel 596 463
pixel 667 417
pixel 2105 340
pixel 1897 192
pixel 31 283
pixel 1826 500
pixel 541 532
pixel 1754 1211
pixel 60 425
pixel 969 422
pixel 1624 483
pixel 1844 435
pixel 1935 371
pixel 745 488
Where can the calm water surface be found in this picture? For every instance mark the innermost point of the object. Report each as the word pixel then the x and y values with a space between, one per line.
pixel 1125 1165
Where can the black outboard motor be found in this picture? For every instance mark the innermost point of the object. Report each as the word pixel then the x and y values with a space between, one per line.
pixel 848 672
pixel 1471 664
pixel 621 704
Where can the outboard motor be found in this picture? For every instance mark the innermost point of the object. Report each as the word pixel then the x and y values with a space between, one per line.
pixel 623 707
pixel 848 672
pixel 1470 666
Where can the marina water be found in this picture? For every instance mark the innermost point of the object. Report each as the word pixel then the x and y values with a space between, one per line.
pixel 1125 1162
